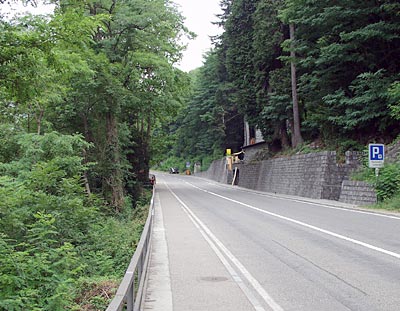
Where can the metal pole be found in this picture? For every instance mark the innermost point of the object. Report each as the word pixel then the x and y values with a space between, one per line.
pixel 129 298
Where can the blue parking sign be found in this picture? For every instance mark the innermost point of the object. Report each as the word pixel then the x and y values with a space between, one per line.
pixel 376 155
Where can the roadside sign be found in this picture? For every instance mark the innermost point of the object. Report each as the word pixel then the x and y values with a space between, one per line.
pixel 376 155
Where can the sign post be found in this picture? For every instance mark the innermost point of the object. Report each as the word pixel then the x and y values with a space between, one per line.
pixel 229 159
pixel 376 156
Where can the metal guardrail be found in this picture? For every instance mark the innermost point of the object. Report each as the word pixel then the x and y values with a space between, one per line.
pixel 130 292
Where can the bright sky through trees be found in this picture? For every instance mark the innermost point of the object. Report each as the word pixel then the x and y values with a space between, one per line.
pixel 199 17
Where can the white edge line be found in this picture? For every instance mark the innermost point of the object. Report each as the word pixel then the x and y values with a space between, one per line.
pixel 256 285
pixel 305 202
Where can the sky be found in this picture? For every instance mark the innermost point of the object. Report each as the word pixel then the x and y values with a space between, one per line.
pixel 199 15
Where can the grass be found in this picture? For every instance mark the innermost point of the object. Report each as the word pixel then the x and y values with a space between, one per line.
pixel 392 204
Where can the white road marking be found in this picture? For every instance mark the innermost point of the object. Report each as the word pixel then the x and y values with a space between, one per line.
pixel 339 236
pixel 158 296
pixel 305 202
pixel 214 242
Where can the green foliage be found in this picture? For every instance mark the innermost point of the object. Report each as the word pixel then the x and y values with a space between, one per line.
pixel 209 123
pixel 394 95
pixel 166 164
pixel 277 109
pixel 273 76
pixel 51 232
pixel 346 51
pixel 102 74
pixel 239 57
pixel 346 66
pixel 97 68
pixel 388 182
pixel 390 204
pixel 367 109
pixel 8 145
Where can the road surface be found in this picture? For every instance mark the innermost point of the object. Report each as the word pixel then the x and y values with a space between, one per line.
pixel 218 247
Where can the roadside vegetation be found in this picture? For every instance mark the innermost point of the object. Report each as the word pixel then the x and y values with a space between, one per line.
pixel 57 243
pixel 387 185
pixel 81 93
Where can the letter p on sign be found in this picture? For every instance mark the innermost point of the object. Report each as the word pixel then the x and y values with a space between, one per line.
pixel 376 155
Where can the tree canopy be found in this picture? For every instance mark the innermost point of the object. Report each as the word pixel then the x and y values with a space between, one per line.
pixel 81 93
pixel 343 54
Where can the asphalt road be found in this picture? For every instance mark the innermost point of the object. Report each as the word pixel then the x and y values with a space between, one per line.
pixel 226 248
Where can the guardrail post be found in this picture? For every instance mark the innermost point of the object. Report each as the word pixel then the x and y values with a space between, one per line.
pixel 130 291
pixel 129 298
pixel 140 267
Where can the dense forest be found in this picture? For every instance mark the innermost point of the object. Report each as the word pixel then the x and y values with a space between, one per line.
pixel 81 92
pixel 324 73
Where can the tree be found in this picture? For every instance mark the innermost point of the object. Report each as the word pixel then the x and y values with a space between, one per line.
pixel 296 137
pixel 131 86
pixel 239 57
pixel 272 74
pixel 338 45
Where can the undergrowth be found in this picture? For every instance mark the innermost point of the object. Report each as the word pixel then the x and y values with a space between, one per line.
pixel 60 249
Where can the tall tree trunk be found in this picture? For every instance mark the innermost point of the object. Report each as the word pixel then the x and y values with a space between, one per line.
pixel 39 118
pixel 114 180
pixel 29 122
pixel 284 135
pixel 296 135
pixel 88 139
pixel 147 145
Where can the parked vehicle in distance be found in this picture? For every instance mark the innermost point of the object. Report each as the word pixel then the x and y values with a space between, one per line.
pixel 174 170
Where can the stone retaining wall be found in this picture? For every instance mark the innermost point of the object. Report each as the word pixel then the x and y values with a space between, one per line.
pixel 302 175
pixel 313 175
pixel 392 153
pixel 217 171
pixel 357 192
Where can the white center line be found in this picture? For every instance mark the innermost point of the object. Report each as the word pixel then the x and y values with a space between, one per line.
pixel 336 235
pixel 214 242
pixel 350 210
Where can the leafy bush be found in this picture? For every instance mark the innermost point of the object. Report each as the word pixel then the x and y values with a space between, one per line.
pixel 387 184
pixel 52 234
pixel 37 271
pixel 8 145
pixel 394 98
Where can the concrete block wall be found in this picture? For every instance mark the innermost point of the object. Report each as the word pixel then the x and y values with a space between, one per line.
pixel 302 175
pixel 392 153
pixel 313 175
pixel 217 171
pixel 248 175
pixel 336 173
pixel 357 192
